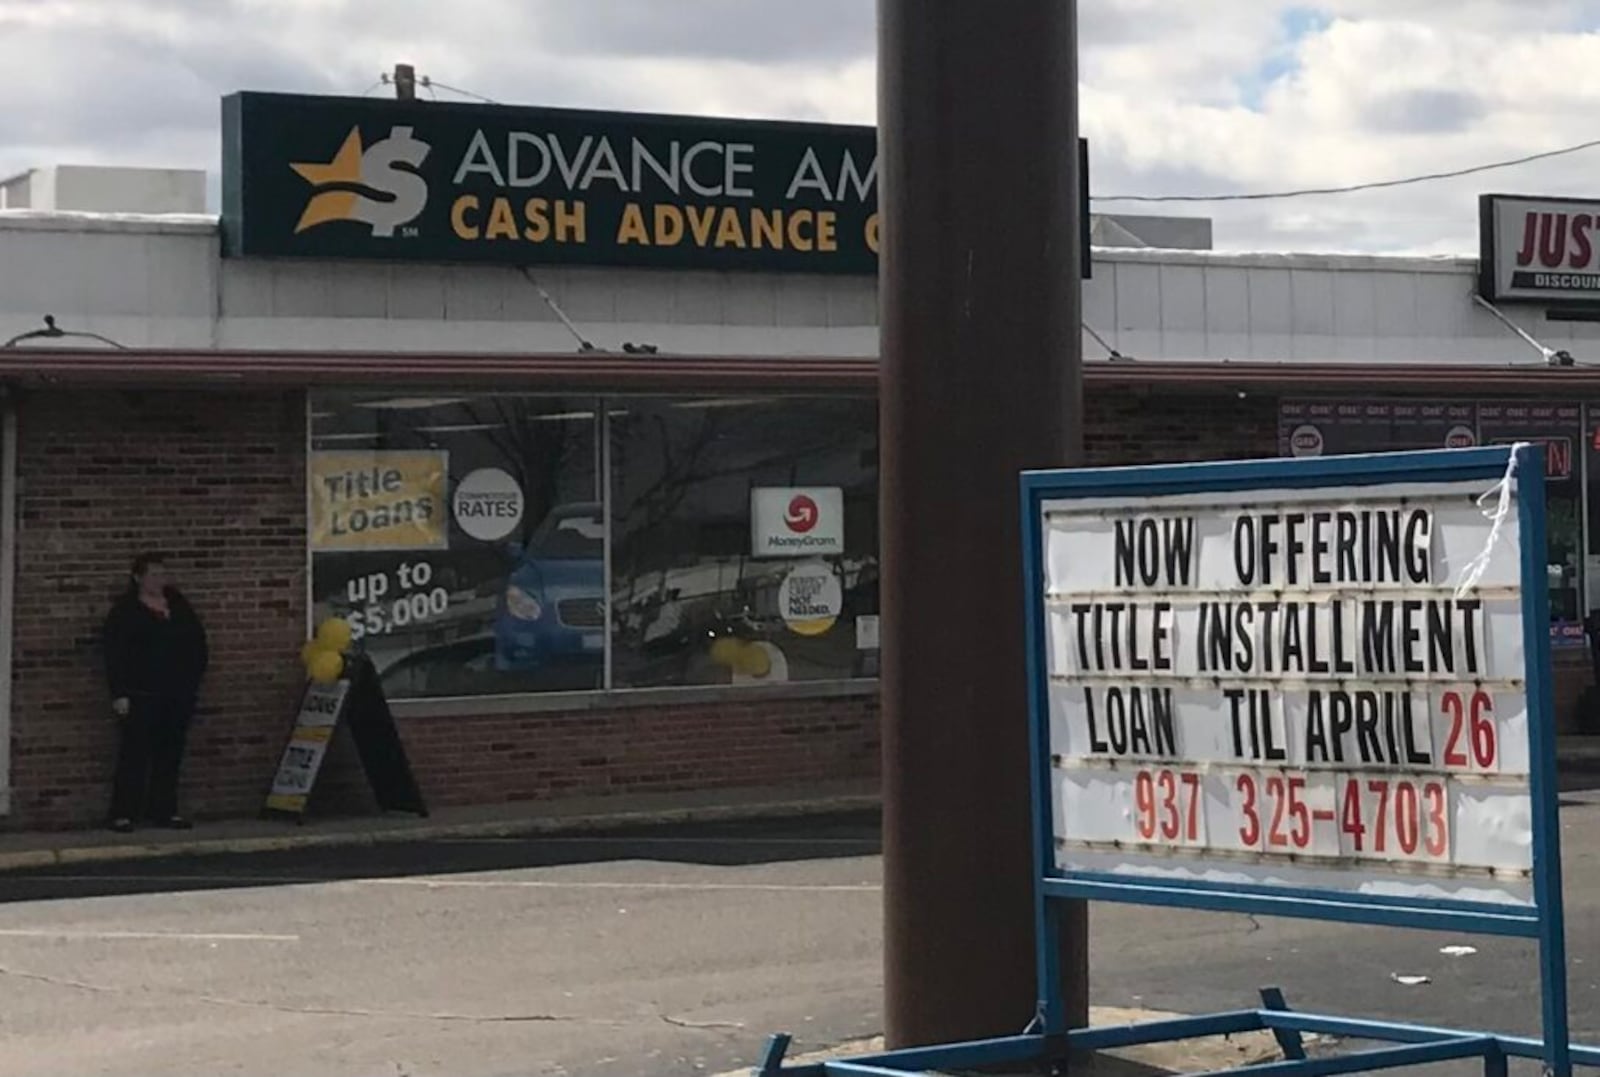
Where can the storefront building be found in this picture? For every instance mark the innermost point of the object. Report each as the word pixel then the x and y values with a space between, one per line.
pixel 603 513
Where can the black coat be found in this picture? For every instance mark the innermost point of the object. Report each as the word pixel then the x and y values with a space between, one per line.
pixel 147 655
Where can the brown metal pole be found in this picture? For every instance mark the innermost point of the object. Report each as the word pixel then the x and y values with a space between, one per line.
pixel 981 343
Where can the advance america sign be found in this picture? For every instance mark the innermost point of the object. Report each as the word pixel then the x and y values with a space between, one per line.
pixel 342 177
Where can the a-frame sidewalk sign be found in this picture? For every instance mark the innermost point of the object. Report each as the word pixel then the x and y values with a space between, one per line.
pixel 1306 687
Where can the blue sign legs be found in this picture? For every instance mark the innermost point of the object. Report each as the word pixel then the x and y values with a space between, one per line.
pixel 1405 1045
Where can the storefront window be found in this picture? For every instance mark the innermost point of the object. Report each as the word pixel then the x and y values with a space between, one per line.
pixel 463 538
pixel 1331 427
pixel 1591 457
pixel 745 540
pixel 469 539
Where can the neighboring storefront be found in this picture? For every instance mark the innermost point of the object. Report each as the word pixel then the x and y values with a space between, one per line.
pixel 574 417
pixel 1329 426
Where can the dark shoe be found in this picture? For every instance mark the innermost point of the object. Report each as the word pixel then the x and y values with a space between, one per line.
pixel 122 826
pixel 178 822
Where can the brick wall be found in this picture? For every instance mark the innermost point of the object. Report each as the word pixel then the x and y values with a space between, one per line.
pixel 216 480
pixel 631 749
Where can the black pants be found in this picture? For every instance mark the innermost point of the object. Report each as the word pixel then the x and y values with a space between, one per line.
pixel 150 757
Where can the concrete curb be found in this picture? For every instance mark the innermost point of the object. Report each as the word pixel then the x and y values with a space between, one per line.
pixel 305 838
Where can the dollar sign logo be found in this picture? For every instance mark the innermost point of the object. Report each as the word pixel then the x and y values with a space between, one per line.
pixel 409 191
pixel 368 185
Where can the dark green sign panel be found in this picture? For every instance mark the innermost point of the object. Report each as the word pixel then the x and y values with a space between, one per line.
pixel 351 177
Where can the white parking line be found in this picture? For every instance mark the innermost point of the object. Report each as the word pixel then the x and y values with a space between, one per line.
pixel 569 840
pixel 577 884
pixel 180 936
pixel 203 880
pixel 430 882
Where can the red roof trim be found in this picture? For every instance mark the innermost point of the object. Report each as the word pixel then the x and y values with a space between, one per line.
pixel 624 373
pixel 592 370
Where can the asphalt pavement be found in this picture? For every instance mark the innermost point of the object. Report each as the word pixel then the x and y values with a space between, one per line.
pixel 651 951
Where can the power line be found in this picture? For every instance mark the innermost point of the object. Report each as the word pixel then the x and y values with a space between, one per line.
pixel 431 82
pixel 1403 182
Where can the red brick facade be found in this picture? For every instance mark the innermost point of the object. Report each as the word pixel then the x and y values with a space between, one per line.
pixel 218 480
pixel 759 742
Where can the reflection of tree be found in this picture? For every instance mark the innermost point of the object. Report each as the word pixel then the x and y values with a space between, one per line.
pixel 718 444
pixel 537 451
pixel 682 470
pixel 1562 527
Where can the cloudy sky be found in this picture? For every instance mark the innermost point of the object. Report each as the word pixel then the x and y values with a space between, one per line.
pixel 1178 96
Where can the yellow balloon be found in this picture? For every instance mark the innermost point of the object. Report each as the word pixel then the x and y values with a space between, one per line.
pixel 725 650
pixel 334 633
pixel 753 660
pixel 309 650
pixel 325 666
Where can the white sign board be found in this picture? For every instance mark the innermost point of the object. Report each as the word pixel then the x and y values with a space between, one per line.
pixel 810 599
pixel 488 504
pixel 308 744
pixel 1540 250
pixel 1291 688
pixel 787 521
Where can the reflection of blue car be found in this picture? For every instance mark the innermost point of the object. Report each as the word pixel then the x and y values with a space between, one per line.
pixel 552 612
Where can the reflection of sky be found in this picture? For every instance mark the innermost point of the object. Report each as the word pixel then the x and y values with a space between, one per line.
pixel 480 431
pixel 783 442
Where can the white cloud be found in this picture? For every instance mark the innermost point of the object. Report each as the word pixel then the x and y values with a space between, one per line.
pixel 1229 95
pixel 1375 92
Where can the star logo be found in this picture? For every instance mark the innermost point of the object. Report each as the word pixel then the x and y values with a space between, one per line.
pixel 367 185
pixel 345 168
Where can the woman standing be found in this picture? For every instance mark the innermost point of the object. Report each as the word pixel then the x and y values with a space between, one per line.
pixel 155 657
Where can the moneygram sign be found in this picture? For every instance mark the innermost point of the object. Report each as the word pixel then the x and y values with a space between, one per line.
pixel 340 177
pixel 795 522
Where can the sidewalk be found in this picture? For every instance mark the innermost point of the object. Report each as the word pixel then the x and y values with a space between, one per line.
pixel 35 850
pixel 19 850
pixel 1212 1054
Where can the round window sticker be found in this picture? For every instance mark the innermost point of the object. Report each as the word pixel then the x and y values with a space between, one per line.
pixel 1460 437
pixel 1305 441
pixel 810 599
pixel 488 504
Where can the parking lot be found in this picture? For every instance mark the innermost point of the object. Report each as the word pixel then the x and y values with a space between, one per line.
pixel 642 952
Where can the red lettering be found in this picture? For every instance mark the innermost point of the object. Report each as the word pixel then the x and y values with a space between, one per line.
pixel 1530 232
pixel 1582 247
pixel 1438 842
pixel 1454 709
pixel 1144 800
pixel 1552 239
